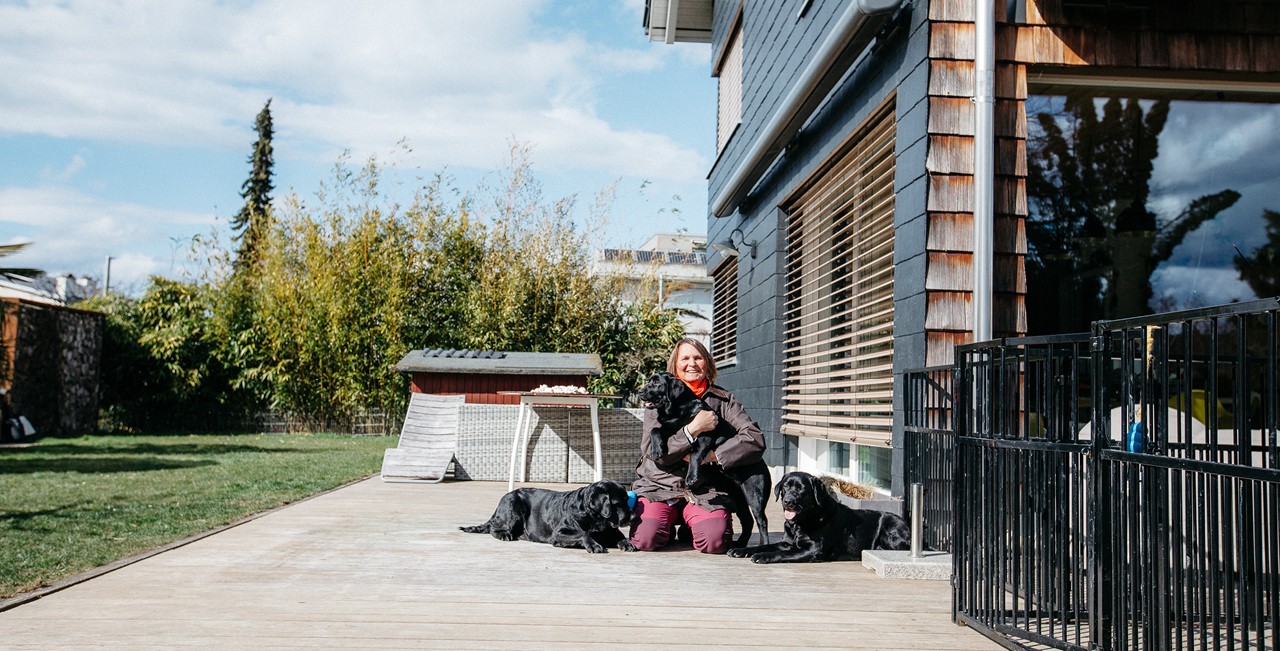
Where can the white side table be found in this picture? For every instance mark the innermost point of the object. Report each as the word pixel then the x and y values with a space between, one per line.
pixel 524 425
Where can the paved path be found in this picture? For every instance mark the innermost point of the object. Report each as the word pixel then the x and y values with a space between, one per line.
pixel 383 566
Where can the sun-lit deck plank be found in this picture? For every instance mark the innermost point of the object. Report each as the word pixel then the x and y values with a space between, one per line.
pixel 383 566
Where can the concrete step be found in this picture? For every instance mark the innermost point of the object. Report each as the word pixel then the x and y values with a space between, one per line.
pixel 889 564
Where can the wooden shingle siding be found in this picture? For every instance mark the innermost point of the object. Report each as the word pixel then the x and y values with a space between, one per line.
pixel 950 115
pixel 951 41
pixel 950 154
pixel 950 201
pixel 951 10
pixel 950 231
pixel 949 313
pixel 941 343
pixel 948 272
pixel 1176 35
pixel 950 78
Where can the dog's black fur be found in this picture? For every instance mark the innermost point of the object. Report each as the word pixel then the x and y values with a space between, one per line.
pixel 588 517
pixel 820 528
pixel 676 404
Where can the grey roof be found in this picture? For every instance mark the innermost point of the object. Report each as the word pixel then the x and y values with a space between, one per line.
pixel 491 361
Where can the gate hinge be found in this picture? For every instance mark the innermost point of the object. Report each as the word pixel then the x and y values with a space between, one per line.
pixel 1097 343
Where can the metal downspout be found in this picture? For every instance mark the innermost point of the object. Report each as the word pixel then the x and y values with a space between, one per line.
pixel 854 26
pixel 984 177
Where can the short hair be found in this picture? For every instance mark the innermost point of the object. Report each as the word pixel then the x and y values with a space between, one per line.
pixel 701 348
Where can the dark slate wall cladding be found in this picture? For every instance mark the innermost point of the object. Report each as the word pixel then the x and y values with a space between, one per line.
pixel 776 48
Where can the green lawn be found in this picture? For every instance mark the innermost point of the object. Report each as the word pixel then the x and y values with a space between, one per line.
pixel 68 505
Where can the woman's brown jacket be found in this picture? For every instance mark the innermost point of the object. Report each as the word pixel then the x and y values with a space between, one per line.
pixel 663 479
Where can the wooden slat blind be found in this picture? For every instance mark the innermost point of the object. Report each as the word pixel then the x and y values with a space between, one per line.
pixel 724 313
pixel 729 103
pixel 838 359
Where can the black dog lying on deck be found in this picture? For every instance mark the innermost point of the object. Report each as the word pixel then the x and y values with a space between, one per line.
pixel 676 404
pixel 588 517
pixel 820 528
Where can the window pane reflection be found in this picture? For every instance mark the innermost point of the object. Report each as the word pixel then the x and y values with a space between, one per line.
pixel 1141 204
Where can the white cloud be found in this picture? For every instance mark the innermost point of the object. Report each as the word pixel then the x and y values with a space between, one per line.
pixel 457 79
pixel 74 232
pixel 1208 145
pixel 1180 287
pixel 73 167
pixel 139 101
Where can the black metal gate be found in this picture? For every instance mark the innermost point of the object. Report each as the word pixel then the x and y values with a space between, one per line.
pixel 1121 489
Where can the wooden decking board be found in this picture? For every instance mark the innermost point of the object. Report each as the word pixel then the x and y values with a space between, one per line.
pixel 383 566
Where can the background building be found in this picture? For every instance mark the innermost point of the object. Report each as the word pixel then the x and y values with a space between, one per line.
pixel 674 265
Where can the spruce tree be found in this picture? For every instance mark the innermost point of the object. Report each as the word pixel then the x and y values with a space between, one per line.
pixel 250 224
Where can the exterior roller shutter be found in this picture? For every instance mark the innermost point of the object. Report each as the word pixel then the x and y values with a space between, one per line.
pixel 838 342
pixel 724 308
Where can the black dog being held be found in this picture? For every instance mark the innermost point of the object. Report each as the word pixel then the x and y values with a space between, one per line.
pixel 676 404
pixel 820 528
pixel 588 517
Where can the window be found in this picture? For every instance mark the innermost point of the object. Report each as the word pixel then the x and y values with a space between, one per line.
pixel 724 313
pixel 1144 199
pixel 874 466
pixel 729 72
pixel 838 315
pixel 790 453
pixel 838 458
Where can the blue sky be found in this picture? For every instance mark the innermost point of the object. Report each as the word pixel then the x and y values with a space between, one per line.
pixel 126 125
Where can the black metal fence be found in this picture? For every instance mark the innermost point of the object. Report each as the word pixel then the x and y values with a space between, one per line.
pixel 928 449
pixel 1020 556
pixel 1118 489
pixel 1188 480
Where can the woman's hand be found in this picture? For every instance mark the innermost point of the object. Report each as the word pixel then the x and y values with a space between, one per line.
pixel 704 421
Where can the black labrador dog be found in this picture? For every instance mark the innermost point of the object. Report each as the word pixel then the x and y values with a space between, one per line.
pixel 588 517
pixel 676 404
pixel 820 528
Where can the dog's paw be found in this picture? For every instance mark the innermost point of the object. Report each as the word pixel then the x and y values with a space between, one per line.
pixel 596 549
pixel 626 546
pixel 503 535
pixel 735 553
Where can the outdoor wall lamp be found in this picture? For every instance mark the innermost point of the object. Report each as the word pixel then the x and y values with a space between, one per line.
pixel 730 247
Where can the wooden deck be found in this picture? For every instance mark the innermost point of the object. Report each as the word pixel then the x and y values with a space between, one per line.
pixel 383 566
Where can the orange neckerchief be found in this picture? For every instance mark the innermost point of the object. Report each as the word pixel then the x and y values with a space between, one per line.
pixel 699 388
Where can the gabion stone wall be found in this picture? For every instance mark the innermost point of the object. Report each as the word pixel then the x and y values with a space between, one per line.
pixel 56 367
pixel 560 448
